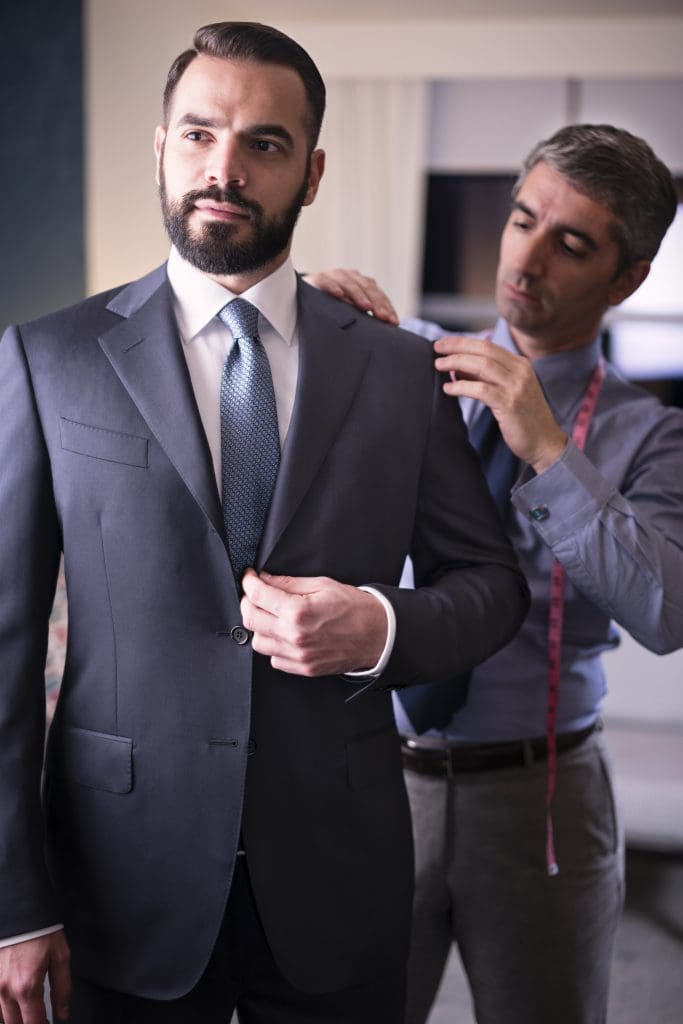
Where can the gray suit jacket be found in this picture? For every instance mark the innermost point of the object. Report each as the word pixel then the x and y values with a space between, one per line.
pixel 170 734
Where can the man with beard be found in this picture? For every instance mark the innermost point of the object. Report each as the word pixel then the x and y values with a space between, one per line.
pixel 217 453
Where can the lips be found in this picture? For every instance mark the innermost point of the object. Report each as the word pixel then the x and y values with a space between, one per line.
pixel 221 211
pixel 518 295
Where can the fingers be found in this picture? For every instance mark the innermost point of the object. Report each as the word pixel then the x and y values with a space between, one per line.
pixel 269 593
pixel 277 611
pixel 59 974
pixel 475 356
pixel 23 967
pixel 312 626
pixel 357 289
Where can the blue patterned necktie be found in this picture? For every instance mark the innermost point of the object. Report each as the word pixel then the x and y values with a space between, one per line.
pixel 432 705
pixel 250 442
pixel 500 465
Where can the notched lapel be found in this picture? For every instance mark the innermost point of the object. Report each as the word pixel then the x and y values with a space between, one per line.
pixel 145 351
pixel 332 361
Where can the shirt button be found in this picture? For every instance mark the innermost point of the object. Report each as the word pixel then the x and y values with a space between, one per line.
pixel 539 513
pixel 240 635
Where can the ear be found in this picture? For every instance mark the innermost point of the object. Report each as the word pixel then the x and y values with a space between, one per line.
pixel 159 139
pixel 317 168
pixel 628 281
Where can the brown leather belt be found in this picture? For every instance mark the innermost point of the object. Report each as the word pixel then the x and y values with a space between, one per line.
pixel 485 757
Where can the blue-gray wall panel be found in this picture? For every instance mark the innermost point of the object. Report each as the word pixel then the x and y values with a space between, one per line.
pixel 41 157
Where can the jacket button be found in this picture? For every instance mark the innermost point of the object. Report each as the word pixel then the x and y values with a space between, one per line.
pixel 240 635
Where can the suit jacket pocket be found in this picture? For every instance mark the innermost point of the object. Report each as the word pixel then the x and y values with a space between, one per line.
pixel 373 759
pixel 100 443
pixel 93 759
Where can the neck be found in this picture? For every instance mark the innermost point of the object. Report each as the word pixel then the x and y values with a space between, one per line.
pixel 534 346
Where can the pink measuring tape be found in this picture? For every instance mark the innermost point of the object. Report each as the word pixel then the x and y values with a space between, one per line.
pixel 556 617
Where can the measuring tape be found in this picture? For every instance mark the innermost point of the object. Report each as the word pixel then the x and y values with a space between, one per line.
pixel 556 618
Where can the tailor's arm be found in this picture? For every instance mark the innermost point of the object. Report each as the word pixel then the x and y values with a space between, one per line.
pixel 620 541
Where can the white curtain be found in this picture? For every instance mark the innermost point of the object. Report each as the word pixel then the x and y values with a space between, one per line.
pixel 369 212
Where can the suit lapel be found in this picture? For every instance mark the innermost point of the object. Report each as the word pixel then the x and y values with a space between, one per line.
pixel 332 361
pixel 146 353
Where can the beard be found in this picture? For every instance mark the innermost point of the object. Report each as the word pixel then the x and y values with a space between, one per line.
pixel 213 249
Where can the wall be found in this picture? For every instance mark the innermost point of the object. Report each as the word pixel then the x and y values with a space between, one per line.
pixel 41 172
pixel 130 46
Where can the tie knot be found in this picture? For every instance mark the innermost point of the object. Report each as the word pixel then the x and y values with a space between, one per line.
pixel 241 317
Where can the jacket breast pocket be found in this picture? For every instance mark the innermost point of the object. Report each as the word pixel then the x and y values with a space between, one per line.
pixel 94 759
pixel 100 443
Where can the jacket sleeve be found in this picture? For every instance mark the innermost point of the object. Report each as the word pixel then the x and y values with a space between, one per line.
pixel 470 596
pixel 29 558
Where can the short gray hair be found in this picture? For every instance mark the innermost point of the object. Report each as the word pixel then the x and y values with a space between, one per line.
pixel 620 171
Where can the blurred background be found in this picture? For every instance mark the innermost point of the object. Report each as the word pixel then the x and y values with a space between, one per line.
pixel 432 106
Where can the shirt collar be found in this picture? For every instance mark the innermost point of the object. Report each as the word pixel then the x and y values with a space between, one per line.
pixel 197 298
pixel 563 375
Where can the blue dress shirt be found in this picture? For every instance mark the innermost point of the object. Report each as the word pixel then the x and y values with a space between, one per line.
pixel 613 517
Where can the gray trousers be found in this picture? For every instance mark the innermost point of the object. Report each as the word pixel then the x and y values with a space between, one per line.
pixel 536 949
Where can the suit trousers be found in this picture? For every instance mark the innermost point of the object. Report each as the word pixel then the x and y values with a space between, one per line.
pixel 243 978
pixel 535 948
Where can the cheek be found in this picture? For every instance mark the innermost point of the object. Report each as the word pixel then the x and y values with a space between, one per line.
pixel 181 173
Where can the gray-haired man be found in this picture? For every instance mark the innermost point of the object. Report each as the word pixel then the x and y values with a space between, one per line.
pixel 588 214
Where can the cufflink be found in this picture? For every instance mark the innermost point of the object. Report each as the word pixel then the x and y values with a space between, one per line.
pixel 539 513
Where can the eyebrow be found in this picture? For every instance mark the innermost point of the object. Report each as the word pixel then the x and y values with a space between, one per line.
pixel 277 131
pixel 564 229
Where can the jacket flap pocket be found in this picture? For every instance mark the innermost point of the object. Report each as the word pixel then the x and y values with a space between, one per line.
pixel 100 443
pixel 93 759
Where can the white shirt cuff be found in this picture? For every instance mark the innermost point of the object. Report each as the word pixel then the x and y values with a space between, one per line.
pixel 373 673
pixel 12 940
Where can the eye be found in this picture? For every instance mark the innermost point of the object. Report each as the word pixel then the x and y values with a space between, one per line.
pixel 265 146
pixel 571 248
pixel 522 223
pixel 196 135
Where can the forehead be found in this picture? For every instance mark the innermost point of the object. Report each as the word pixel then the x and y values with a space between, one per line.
pixel 241 91
pixel 552 198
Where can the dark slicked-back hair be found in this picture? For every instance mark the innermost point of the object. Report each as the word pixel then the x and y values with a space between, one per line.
pixel 620 171
pixel 261 44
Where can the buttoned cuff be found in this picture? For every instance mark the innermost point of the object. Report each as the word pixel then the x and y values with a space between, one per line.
pixel 373 673
pixel 564 497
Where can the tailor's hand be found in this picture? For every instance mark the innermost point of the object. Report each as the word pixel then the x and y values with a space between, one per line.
pixel 23 967
pixel 358 290
pixel 312 625
pixel 506 382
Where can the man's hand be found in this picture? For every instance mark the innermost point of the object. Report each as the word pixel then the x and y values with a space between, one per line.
pixel 508 385
pixel 312 625
pixel 23 967
pixel 358 290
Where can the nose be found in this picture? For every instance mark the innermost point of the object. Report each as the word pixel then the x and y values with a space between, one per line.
pixel 225 165
pixel 531 255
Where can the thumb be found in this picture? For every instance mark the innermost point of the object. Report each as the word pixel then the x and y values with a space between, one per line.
pixel 301 585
